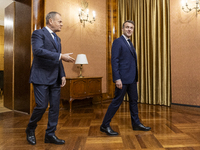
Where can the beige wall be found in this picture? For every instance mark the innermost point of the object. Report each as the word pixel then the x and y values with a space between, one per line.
pixel 185 54
pixel 1 47
pixel 90 40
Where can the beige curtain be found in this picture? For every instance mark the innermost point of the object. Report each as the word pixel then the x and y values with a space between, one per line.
pixel 151 39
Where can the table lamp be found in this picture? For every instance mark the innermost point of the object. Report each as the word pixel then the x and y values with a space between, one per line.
pixel 81 59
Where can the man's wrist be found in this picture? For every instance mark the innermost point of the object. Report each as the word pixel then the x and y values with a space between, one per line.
pixel 117 80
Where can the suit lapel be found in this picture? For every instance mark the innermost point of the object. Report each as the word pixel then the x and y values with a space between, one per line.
pixel 131 48
pixel 46 32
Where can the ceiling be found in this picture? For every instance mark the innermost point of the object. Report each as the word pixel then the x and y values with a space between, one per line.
pixel 3 5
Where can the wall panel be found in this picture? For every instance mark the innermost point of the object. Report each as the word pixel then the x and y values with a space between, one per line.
pixel 89 40
pixel 8 55
pixel 22 56
pixel 1 47
pixel 17 51
pixel 185 54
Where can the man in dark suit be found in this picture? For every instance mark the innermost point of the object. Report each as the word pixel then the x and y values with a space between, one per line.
pixel 125 76
pixel 47 76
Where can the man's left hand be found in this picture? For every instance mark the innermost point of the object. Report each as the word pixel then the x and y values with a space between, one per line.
pixel 63 81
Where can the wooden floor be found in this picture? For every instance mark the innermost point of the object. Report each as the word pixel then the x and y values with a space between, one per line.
pixel 173 128
pixel 2 109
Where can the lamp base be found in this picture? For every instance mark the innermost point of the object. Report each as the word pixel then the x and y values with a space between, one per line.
pixel 81 76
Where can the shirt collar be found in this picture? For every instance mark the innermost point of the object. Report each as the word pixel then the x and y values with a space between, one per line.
pixel 50 31
pixel 125 37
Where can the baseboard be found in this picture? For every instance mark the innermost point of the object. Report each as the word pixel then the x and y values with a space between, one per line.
pixel 185 105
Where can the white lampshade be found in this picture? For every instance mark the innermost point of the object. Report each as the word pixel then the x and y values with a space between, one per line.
pixel 81 59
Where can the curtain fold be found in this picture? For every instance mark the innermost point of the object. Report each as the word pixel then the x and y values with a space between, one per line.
pixel 151 39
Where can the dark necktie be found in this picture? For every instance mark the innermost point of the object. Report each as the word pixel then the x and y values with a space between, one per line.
pixel 131 45
pixel 55 39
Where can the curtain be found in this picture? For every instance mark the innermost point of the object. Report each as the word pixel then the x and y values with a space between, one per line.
pixel 151 39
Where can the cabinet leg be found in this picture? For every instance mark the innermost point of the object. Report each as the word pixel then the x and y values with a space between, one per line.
pixel 101 99
pixel 70 104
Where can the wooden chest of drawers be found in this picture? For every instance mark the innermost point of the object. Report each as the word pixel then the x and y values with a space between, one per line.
pixel 81 88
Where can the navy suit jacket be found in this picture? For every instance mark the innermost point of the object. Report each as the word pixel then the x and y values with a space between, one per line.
pixel 124 61
pixel 46 68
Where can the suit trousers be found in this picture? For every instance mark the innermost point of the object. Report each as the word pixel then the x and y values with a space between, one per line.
pixel 131 89
pixel 43 95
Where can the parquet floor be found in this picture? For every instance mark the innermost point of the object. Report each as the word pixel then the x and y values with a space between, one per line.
pixel 173 128
pixel 2 109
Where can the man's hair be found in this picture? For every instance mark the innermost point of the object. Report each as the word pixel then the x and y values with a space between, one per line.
pixel 129 21
pixel 51 15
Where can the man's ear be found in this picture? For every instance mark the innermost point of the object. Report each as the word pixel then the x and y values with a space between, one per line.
pixel 50 21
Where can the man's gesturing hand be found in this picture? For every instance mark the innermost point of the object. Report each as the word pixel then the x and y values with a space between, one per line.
pixel 66 57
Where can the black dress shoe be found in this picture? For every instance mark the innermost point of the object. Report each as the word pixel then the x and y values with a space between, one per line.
pixel 141 127
pixel 108 130
pixel 30 136
pixel 53 139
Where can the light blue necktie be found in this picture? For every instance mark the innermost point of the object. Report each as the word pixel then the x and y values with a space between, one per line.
pixel 55 39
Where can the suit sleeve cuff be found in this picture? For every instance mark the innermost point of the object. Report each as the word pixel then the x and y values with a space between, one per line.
pixel 117 79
